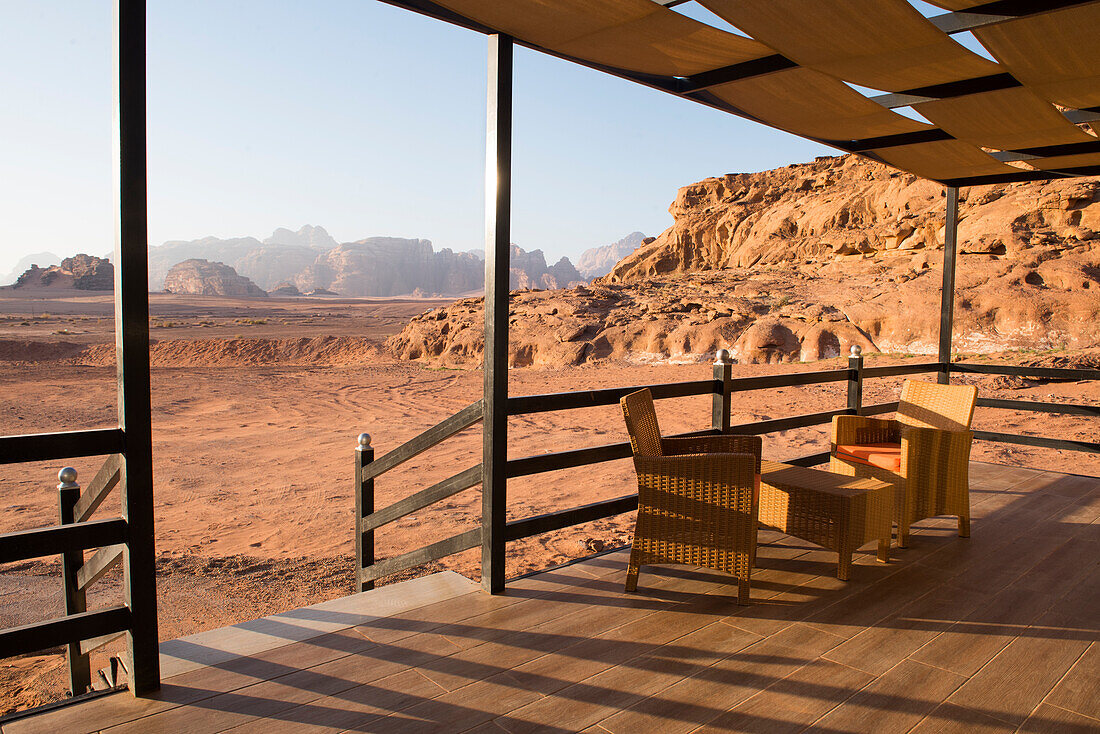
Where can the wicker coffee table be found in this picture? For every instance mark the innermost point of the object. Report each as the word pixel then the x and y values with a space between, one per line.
pixel 838 512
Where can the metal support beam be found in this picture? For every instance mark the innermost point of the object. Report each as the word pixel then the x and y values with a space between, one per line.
pixel 498 216
pixel 947 293
pixel 132 347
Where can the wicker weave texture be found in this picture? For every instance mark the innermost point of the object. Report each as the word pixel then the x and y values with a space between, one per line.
pixel 933 430
pixel 930 405
pixel 695 498
pixel 841 513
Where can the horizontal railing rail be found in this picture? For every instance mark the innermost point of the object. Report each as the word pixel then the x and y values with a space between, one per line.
pixel 1065 444
pixel 1046 373
pixel 63 630
pixel 1036 406
pixel 449 487
pixel 895 370
pixel 526 404
pixel 64 445
pixel 420 556
pixel 417 445
pixel 54 540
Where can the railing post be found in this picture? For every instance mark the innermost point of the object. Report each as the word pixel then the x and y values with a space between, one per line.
pixel 947 290
pixel 855 380
pixel 720 405
pixel 364 506
pixel 80 670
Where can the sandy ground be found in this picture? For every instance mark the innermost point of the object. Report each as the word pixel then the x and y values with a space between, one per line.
pixel 253 462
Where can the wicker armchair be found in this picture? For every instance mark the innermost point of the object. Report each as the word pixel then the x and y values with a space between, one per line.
pixel 924 452
pixel 695 497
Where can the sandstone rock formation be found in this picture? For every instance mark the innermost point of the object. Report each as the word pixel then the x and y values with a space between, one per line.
pixel 803 262
pixel 204 278
pixel 528 270
pixel 81 272
pixel 598 261
pixel 38 259
pixel 391 266
pixel 851 207
pixel 277 258
pixel 285 289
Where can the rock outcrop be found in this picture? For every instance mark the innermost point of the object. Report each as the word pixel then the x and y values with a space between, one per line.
pixel 203 278
pixel 849 207
pixel 391 266
pixel 598 261
pixel 528 271
pixel 79 272
pixel 285 289
pixel 36 260
pixel 803 262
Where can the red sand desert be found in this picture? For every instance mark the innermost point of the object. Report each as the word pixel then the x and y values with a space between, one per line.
pixel 256 408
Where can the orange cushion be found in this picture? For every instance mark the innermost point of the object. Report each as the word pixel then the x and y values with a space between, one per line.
pixel 882 455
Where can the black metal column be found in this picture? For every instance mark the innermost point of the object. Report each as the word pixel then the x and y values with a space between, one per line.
pixel 947 294
pixel 498 213
pixel 132 348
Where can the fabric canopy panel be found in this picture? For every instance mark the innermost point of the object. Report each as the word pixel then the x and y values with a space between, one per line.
pixel 1007 119
pixel 810 103
pixel 1061 162
pixel 632 35
pixel 943 159
pixel 1055 54
pixel 958 4
pixel 882 44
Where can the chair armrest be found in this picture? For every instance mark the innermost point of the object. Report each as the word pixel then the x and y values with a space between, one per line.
pixel 724 444
pixel 693 485
pixel 929 451
pixel 858 429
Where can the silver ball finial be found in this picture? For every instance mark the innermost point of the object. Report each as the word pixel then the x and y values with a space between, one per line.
pixel 67 478
pixel 364 440
pixel 722 356
pixel 856 350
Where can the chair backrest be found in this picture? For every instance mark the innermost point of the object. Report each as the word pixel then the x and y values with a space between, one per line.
pixel 641 423
pixel 929 405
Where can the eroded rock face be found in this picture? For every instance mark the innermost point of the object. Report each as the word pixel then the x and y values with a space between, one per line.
pixel 849 207
pixel 204 278
pixel 81 272
pixel 804 262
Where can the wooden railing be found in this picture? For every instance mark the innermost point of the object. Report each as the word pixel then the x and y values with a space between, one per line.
pixel 1044 373
pixel 722 387
pixel 80 631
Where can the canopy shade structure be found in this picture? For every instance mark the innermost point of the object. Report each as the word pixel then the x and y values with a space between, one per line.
pixel 795 66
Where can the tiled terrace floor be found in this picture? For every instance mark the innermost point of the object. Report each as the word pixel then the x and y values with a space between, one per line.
pixel 997 633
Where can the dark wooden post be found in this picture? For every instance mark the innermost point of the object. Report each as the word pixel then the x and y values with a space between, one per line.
pixel 80 670
pixel 364 505
pixel 720 401
pixel 498 213
pixel 132 349
pixel 855 380
pixel 947 293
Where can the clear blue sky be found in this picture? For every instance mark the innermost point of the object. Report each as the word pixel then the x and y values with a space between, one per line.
pixel 351 114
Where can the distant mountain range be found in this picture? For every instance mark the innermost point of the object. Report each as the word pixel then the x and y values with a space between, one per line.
pixel 599 261
pixel 310 259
